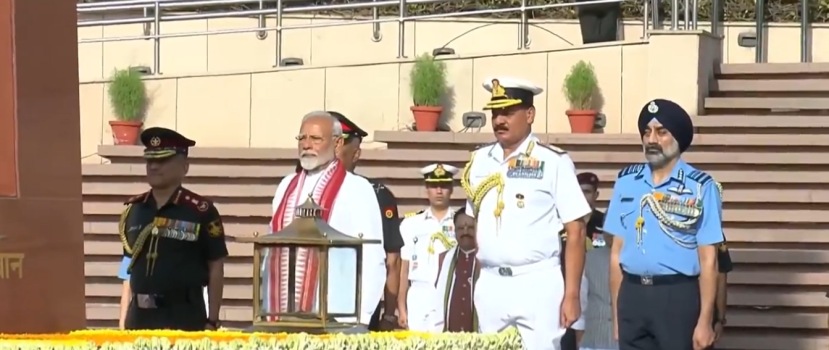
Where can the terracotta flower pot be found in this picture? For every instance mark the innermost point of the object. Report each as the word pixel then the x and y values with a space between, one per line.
pixel 426 117
pixel 125 133
pixel 582 121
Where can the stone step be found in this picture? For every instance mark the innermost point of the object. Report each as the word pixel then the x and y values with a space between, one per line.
pixel 769 85
pixel 768 124
pixel 767 103
pixel 766 70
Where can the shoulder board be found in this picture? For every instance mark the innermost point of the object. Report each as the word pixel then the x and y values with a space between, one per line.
pixel 484 145
pixel 189 198
pixel 700 176
pixel 413 214
pixel 555 149
pixel 139 198
pixel 631 169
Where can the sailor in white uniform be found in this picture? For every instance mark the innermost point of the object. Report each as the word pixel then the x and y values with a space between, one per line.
pixel 426 234
pixel 522 193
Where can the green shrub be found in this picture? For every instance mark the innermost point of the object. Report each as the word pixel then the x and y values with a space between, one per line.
pixel 427 81
pixel 127 95
pixel 580 86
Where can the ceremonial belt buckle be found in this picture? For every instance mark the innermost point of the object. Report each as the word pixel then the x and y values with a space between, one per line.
pixel 505 271
pixel 146 301
pixel 646 280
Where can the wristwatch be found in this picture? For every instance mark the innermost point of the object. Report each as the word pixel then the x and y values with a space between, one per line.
pixel 214 323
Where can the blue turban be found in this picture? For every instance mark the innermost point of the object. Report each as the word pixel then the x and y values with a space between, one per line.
pixel 672 116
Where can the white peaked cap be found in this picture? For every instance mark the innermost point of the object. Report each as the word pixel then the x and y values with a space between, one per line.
pixel 432 167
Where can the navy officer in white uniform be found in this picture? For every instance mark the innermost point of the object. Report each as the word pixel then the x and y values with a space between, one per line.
pixel 426 234
pixel 522 192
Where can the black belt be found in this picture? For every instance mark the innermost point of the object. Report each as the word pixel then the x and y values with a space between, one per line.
pixel 658 280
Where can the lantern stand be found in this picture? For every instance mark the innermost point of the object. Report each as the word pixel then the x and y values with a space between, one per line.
pixel 308 231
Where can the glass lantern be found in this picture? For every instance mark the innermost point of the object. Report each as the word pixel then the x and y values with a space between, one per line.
pixel 296 269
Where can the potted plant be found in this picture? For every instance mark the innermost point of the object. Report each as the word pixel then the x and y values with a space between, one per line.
pixel 579 88
pixel 128 97
pixel 427 82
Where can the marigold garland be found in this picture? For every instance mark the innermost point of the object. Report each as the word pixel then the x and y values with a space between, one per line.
pixel 234 340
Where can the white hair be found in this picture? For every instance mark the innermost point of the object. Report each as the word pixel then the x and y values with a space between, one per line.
pixel 336 127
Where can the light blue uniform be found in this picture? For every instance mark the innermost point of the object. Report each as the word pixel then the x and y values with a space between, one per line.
pixel 690 208
pixel 122 270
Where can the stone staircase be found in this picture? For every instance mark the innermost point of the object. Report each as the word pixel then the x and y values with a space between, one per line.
pixel 772 160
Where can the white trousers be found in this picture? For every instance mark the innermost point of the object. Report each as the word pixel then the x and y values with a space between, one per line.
pixel 530 300
pixel 420 305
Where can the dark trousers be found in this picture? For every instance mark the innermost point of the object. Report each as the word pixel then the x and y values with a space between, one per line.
pixel 568 341
pixel 658 316
pixel 599 23
pixel 374 322
pixel 183 311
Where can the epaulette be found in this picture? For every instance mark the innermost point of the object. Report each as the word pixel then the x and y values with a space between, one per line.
pixel 413 214
pixel 631 169
pixel 700 176
pixel 193 200
pixel 555 149
pixel 483 145
pixel 139 198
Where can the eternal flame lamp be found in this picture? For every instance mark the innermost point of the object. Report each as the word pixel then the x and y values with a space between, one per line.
pixel 307 238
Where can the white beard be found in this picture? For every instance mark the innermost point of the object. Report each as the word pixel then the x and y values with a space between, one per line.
pixel 309 163
pixel 313 162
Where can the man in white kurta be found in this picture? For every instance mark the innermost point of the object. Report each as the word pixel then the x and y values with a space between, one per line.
pixel 350 206
pixel 522 192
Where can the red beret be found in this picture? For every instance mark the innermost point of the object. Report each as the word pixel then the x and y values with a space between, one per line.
pixel 588 178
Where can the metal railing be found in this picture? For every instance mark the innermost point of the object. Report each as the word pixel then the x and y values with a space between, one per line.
pixel 156 12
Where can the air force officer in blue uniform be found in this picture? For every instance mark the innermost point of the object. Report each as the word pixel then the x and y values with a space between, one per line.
pixel 665 216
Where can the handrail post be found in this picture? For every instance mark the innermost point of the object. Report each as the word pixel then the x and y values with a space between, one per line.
pixel 157 37
pixel 522 26
pixel 716 13
pixel 694 14
pixel 686 15
pixel 401 31
pixel 376 34
pixel 759 6
pixel 804 32
pixel 147 31
pixel 645 14
pixel 261 35
pixel 675 15
pixel 278 35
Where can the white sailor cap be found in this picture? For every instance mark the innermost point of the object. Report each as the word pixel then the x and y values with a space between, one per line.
pixel 438 173
pixel 508 92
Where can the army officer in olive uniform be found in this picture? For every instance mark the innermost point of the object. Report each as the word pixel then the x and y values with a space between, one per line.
pixel 176 241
